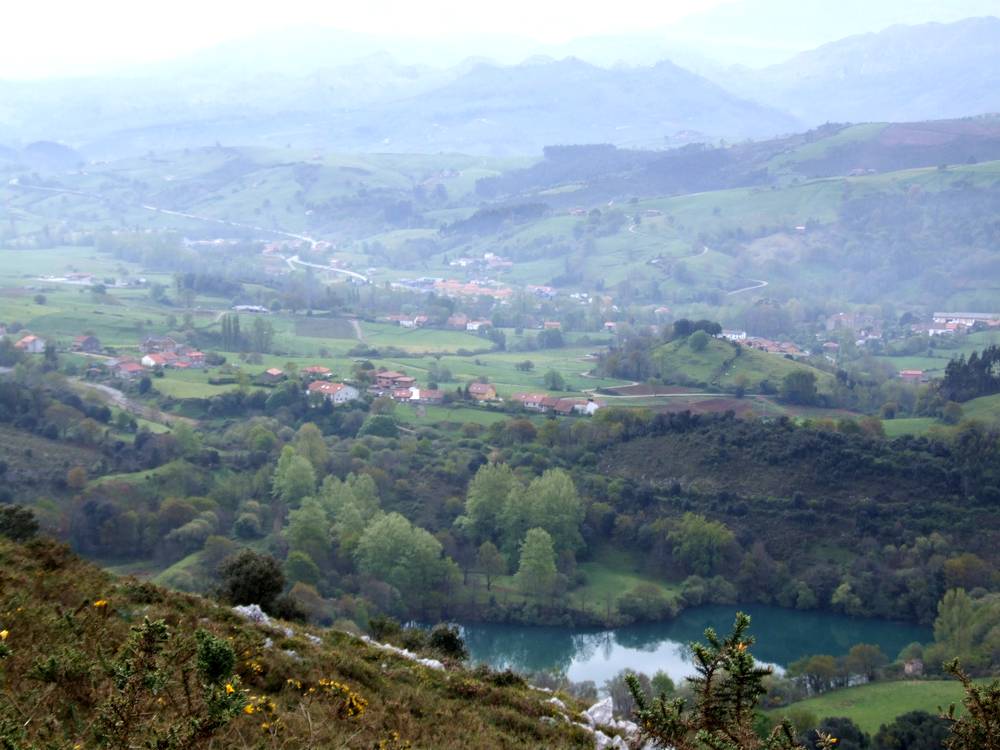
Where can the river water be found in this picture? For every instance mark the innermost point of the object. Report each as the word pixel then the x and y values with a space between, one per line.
pixel 782 636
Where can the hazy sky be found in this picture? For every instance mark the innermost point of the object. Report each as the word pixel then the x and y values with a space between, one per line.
pixel 59 37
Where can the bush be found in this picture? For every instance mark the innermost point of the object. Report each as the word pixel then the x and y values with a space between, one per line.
pixel 251 578
pixel 17 523
pixel 447 641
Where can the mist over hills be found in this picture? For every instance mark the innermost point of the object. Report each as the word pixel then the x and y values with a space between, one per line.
pixel 335 90
pixel 932 71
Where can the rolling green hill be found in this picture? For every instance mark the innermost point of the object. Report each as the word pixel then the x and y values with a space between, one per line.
pixel 725 365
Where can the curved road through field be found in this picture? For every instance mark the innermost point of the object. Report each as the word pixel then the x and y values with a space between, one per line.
pixel 758 284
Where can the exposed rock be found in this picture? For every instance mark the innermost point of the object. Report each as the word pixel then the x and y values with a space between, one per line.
pixel 314 639
pixel 602 712
pixel 557 703
pixel 430 663
pixel 253 613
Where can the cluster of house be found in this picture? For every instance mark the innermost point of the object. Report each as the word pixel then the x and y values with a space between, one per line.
pixel 403 388
pixel 944 323
pixel 408 321
pixel 475 288
pixel 490 261
pixel 462 322
pixel 762 344
pixel 158 352
pixel 542 402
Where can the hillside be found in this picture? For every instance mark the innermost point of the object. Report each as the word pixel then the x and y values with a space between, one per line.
pixel 725 365
pixel 70 631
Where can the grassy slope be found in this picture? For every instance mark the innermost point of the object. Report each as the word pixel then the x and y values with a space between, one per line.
pixel 428 708
pixel 719 365
pixel 870 706
pixel 986 408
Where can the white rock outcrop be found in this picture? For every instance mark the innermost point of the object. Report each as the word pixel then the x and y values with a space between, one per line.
pixel 602 712
pixel 253 613
pixel 430 663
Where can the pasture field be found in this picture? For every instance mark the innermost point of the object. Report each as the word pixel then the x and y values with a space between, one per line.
pixel 986 409
pixel 871 706
pixel 912 426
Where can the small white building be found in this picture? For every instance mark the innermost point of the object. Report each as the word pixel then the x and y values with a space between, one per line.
pixel 31 345
pixel 730 334
pixel 338 393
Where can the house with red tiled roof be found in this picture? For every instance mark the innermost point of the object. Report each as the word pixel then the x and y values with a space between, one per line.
pixel 128 369
pixel 153 360
pixel 533 401
pixel 31 344
pixel 428 395
pixel 86 343
pixel 338 393
pixel 316 371
pixel 483 391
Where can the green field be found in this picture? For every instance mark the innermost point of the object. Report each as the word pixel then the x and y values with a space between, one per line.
pixel 986 409
pixel 421 340
pixel 870 706
pixel 913 426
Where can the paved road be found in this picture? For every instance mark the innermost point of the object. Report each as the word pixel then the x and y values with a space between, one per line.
pixel 296 261
pixel 758 284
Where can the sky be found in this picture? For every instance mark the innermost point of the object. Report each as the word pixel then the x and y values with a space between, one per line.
pixel 65 37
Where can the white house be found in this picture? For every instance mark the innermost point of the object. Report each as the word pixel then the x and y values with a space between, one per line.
pixel 31 345
pixel 338 393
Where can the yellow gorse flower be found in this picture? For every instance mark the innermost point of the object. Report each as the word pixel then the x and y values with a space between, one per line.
pixel 230 689
pixel 4 634
pixel 100 604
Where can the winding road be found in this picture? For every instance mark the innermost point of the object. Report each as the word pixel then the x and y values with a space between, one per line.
pixel 758 284
pixel 295 260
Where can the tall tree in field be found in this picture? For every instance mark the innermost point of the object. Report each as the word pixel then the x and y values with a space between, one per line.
pixel 536 574
pixel 490 562
pixel 402 555
pixel 550 502
pixel 308 531
pixel 310 445
pixel 485 501
pixel 262 335
pixel 799 387
pixel 293 478
pixel 955 622
pixel 700 545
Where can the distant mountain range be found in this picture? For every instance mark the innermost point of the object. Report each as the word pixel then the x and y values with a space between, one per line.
pixel 933 71
pixel 374 103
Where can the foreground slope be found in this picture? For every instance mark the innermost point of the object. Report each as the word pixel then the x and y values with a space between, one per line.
pixel 70 676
